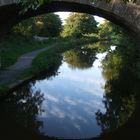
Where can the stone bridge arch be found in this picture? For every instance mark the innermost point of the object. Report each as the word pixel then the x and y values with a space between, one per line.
pixel 126 15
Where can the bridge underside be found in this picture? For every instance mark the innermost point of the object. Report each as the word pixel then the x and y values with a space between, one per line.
pixel 9 15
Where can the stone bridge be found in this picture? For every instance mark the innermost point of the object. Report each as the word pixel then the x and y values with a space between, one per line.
pixel 126 15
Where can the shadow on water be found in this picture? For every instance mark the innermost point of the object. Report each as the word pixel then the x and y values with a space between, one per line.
pixel 120 120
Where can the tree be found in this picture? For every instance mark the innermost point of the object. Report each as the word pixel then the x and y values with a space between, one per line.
pixel 44 25
pixel 78 24
pixel 124 53
pixel 25 27
pixel 48 25
pixel 110 32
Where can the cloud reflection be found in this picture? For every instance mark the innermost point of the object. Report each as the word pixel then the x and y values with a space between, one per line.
pixel 71 100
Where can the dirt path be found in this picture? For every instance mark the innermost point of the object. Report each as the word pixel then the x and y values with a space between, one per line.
pixel 24 62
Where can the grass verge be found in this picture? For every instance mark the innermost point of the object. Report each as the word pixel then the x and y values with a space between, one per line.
pixel 12 47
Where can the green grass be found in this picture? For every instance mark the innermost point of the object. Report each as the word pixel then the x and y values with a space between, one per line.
pixel 12 47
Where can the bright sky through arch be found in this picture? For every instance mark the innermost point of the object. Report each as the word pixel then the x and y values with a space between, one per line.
pixel 64 15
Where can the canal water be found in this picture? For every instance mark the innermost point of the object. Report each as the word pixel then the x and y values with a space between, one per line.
pixel 71 103
pixel 71 100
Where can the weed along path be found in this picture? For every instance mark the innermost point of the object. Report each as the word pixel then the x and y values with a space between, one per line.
pixel 8 76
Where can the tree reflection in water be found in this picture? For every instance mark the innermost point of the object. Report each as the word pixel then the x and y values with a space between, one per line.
pixel 120 90
pixel 24 105
pixel 81 58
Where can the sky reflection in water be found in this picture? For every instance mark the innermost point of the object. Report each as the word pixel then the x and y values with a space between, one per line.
pixel 71 100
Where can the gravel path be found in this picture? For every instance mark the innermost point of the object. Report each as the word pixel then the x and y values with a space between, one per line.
pixel 24 62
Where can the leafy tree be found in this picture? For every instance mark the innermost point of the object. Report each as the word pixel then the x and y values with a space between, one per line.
pixel 25 27
pixel 44 25
pixel 110 32
pixel 48 25
pixel 78 24
pixel 124 53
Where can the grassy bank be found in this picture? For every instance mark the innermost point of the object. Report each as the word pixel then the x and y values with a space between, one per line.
pixel 13 46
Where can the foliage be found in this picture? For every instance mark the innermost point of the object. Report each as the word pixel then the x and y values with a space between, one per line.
pixel 34 4
pixel 78 24
pixel 116 60
pixel 119 71
pixel 25 27
pixel 121 89
pixel 16 46
pixel 111 65
pixel 31 4
pixel 48 25
pixel 110 32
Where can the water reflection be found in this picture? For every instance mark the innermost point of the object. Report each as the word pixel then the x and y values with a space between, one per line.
pixel 23 106
pixel 69 109
pixel 120 91
pixel 73 103
pixel 82 58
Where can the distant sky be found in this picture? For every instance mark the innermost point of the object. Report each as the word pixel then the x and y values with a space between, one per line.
pixel 64 15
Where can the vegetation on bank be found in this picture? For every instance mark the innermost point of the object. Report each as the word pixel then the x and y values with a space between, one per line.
pixel 48 25
pixel 79 25
pixel 52 56
pixel 21 40
pixel 12 47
